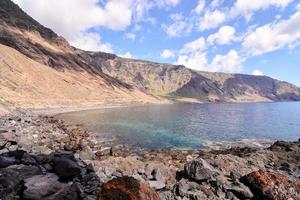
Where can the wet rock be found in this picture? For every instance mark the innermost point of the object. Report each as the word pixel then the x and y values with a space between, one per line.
pixel 273 186
pixel 127 188
pixel 199 170
pixel 7 161
pixel 47 187
pixel 66 168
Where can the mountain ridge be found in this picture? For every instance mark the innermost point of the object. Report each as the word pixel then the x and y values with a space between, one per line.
pixel 131 80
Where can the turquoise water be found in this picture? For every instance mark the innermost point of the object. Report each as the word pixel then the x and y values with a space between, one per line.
pixel 191 125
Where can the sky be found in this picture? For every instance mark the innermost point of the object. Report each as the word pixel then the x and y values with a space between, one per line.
pixel 259 37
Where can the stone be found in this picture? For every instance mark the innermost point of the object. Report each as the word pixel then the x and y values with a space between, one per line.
pixel 48 187
pixel 28 160
pixel 127 188
pixel 64 154
pixel 273 186
pixel 86 154
pixel 113 151
pixel 157 185
pixel 157 175
pixel 239 190
pixel 7 161
pixel 12 176
pixel 158 181
pixel 184 185
pixel 199 170
pixel 66 168
pixel 3 131
pixel 167 195
pixel 12 147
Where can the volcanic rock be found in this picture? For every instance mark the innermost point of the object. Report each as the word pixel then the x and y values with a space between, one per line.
pixel 273 186
pixel 127 188
pixel 66 168
pixel 199 170
pixel 48 187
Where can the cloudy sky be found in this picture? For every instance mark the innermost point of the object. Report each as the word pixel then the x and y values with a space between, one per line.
pixel 260 37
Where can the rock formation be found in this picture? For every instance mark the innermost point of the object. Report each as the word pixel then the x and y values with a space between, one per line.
pixel 43 158
pixel 68 76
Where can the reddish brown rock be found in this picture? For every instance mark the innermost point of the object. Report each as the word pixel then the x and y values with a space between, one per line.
pixel 267 185
pixel 127 188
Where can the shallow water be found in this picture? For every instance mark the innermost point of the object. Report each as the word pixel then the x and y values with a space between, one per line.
pixel 191 125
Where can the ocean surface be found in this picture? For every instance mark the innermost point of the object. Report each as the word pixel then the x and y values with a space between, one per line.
pixel 192 125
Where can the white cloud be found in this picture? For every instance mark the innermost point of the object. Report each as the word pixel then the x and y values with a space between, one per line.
pixel 216 3
pixel 193 56
pixel 200 6
pixel 126 55
pixel 179 26
pixel 229 63
pixel 176 16
pixel 225 35
pixel 214 17
pixel 211 19
pixel 91 42
pixel 168 2
pixel 271 37
pixel 142 7
pixel 137 28
pixel 167 53
pixel 298 7
pixel 194 46
pixel 70 18
pixel 257 73
pixel 247 8
pixel 196 61
pixel 130 36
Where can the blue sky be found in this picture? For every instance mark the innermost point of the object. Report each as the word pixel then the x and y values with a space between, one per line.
pixel 234 36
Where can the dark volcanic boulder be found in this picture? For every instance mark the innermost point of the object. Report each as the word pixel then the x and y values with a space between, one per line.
pixel 127 188
pixel 11 178
pixel 66 168
pixel 267 185
pixel 48 187
pixel 199 170
pixel 7 161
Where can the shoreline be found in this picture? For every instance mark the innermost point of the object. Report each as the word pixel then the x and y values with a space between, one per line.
pixel 60 110
pixel 220 174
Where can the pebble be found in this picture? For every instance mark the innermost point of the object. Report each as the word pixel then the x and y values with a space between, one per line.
pixel 46 151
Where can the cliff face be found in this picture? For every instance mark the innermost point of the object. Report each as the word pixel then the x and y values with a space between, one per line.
pixel 40 69
pixel 86 78
pixel 178 82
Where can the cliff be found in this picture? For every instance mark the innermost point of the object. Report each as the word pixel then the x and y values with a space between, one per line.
pixel 41 69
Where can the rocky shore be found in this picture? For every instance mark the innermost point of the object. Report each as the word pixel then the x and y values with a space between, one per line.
pixel 44 158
